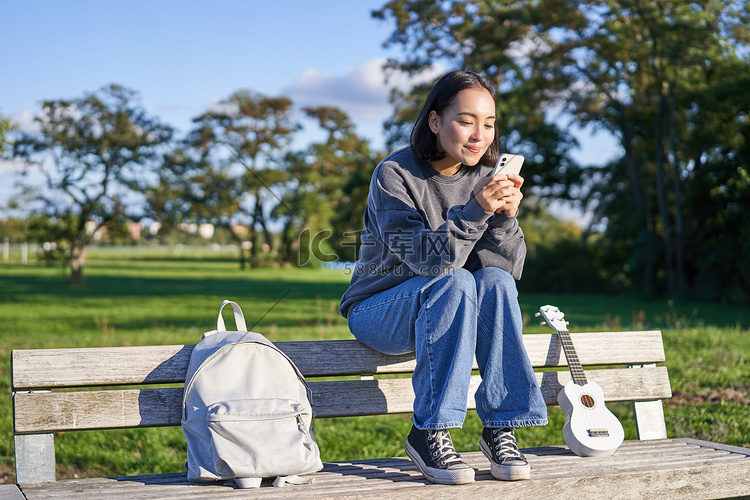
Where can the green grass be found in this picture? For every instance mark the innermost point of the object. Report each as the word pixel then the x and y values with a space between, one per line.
pixel 147 297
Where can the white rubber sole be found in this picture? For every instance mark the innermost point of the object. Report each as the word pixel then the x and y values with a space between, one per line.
pixel 440 476
pixel 505 472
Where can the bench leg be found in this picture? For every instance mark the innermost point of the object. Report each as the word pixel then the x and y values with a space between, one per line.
pixel 649 420
pixel 649 416
pixel 35 458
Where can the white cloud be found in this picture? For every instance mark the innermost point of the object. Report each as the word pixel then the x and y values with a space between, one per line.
pixel 11 167
pixel 362 92
pixel 25 121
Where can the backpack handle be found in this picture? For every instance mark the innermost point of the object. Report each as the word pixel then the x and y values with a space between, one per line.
pixel 239 318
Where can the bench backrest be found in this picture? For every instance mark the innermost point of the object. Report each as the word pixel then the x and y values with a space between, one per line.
pixel 92 388
pixel 36 372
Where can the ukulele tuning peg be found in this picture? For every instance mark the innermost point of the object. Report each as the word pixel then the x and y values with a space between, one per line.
pixel 543 323
pixel 536 315
pixel 567 322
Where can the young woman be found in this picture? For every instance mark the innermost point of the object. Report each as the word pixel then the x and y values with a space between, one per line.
pixel 440 250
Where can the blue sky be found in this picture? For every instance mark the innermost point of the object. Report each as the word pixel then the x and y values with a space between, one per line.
pixel 184 56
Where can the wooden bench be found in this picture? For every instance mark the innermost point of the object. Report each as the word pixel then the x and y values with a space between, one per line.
pixel 624 365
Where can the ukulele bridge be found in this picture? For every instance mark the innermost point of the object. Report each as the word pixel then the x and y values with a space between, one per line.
pixel 598 433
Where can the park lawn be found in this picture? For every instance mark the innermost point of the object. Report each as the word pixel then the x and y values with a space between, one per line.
pixel 153 296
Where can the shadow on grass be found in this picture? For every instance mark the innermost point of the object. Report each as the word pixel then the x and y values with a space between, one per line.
pixel 260 288
pixel 15 288
pixel 143 302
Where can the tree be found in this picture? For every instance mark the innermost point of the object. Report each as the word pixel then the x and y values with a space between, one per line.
pixel 95 152
pixel 330 192
pixel 648 72
pixel 243 142
pixel 496 38
pixel 645 66
pixel 193 188
pixel 717 182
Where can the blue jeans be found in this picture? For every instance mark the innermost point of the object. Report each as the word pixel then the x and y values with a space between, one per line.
pixel 447 320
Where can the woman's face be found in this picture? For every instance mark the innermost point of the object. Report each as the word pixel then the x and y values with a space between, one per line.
pixel 465 130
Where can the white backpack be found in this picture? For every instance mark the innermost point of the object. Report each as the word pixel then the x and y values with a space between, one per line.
pixel 246 411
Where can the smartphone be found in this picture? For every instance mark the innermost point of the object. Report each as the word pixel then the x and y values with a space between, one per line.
pixel 508 164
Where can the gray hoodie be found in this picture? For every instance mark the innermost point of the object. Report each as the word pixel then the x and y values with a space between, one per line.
pixel 421 222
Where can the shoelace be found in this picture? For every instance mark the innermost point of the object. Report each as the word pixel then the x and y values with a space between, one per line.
pixel 441 448
pixel 506 447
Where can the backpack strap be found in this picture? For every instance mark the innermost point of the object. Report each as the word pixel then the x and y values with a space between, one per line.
pixel 239 318
pixel 280 480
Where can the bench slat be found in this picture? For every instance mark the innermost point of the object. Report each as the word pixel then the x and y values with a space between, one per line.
pixel 101 366
pixel 97 366
pixel 63 411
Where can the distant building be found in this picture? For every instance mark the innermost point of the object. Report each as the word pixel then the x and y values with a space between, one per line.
pixel 240 230
pixel 206 231
pixel 134 228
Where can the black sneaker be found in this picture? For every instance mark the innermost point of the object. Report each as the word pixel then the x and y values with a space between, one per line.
pixel 433 453
pixel 507 461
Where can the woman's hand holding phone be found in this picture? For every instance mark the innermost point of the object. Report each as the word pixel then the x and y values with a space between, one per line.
pixel 501 191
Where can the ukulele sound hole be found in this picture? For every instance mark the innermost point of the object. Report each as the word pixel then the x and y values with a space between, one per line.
pixel 587 401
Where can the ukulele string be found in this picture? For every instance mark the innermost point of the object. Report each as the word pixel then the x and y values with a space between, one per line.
pixel 575 370
pixel 589 415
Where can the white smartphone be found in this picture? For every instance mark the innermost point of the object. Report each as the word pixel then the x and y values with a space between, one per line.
pixel 508 164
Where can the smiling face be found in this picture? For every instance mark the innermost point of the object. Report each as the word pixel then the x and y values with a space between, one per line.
pixel 465 129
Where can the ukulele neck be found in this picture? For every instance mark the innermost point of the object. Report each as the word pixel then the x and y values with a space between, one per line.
pixel 574 364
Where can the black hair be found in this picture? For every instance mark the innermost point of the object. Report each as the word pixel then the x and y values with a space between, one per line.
pixel 441 97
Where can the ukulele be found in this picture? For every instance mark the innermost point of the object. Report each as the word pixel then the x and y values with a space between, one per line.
pixel 590 429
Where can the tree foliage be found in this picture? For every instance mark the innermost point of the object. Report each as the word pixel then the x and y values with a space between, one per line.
pixel 5 126
pixel 237 171
pixel 662 76
pixel 332 182
pixel 496 39
pixel 94 152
